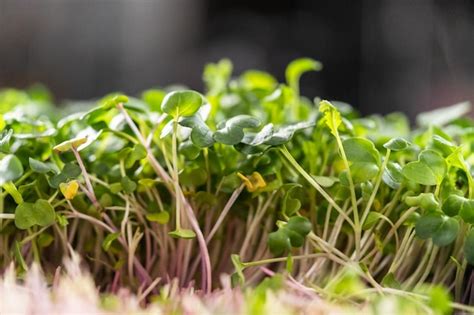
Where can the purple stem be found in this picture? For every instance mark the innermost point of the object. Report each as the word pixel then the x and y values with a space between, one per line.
pixel 206 262
pixel 91 194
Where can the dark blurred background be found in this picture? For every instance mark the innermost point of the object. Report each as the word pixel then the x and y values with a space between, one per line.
pixel 379 56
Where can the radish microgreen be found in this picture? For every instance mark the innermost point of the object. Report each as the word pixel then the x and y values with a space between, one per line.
pixel 248 177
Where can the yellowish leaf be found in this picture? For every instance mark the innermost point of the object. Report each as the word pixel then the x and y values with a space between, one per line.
pixel 69 190
pixel 253 182
pixel 332 117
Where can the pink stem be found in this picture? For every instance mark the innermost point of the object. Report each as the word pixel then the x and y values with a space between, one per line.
pixel 206 262
pixel 91 194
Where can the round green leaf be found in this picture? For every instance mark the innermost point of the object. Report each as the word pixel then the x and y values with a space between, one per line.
pixel 428 224
pixel 467 211
pixel 419 173
pixel 42 167
pixel 301 225
pixel 28 214
pixel 428 170
pixel 361 150
pixel 454 203
pixel 278 242
pixel 296 239
pixel 442 229
pixel 201 135
pixel 447 232
pixel 182 103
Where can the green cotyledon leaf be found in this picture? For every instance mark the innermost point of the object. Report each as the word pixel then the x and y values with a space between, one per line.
pixel 270 135
pixel 278 242
pixel 69 144
pixel 458 205
pixel 392 175
pixel 363 157
pixel 397 144
pixel 291 234
pixel 42 167
pixel 201 134
pixel 428 170
pixel 182 103
pixel 231 131
pixel 290 204
pixel 442 229
pixel 29 214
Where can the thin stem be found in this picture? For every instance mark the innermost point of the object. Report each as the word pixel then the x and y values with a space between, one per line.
pixel 8 216
pixel 357 225
pixel 376 187
pixel 224 212
pixel 206 262
pixel 87 180
pixel 176 173
pixel 208 171
pixel 282 259
pixel 313 183
pixel 153 162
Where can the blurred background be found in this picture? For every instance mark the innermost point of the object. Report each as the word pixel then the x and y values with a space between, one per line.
pixel 379 56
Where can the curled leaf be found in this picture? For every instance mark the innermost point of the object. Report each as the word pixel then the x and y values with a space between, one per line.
pixel 253 182
pixel 331 116
pixel 232 131
pixel 397 144
pixel 426 201
pixel 297 67
pixel 201 135
pixel 69 144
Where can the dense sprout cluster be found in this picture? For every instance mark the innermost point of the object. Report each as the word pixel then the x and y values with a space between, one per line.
pixel 248 178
